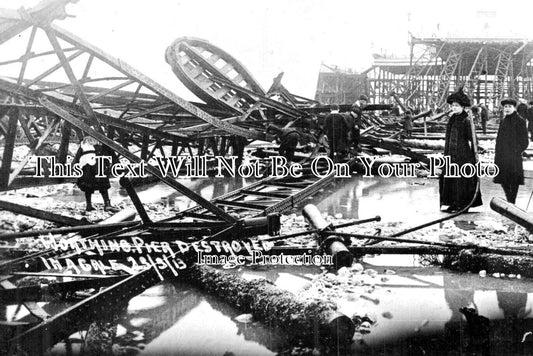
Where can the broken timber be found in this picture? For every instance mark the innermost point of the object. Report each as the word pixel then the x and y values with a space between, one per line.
pixel 304 319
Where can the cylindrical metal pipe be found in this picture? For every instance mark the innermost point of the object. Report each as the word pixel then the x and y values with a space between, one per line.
pixel 512 212
pixel 332 245
pixel 314 217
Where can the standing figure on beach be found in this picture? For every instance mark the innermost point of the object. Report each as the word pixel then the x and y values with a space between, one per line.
pixel 511 141
pixel 89 182
pixel 459 145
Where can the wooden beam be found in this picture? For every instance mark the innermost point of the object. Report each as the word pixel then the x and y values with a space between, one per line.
pixel 34 149
pixel 125 153
pixel 41 214
pixel 9 146
pixel 92 120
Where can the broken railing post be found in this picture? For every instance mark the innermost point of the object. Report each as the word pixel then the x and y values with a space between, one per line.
pixel 512 212
pixel 331 244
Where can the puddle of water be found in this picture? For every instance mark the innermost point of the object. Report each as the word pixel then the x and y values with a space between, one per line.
pixel 417 311
pixel 412 200
pixel 422 305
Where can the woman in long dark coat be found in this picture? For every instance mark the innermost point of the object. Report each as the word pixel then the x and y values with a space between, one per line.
pixel 511 141
pixel 457 193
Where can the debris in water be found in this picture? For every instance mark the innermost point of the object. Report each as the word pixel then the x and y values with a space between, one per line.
pixel 244 318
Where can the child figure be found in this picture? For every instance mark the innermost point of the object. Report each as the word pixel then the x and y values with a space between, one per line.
pixel 88 182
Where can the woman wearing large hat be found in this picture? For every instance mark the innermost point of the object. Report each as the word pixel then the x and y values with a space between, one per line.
pixel 511 141
pixel 458 192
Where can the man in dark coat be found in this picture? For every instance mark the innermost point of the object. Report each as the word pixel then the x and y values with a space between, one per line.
pixel 408 123
pixel 457 193
pixel 484 113
pixel 521 109
pixel 336 129
pixel 354 120
pixel 511 141
pixel 288 140
pixel 529 118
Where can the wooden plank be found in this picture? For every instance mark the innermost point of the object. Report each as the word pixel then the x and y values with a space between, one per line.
pixel 52 69
pixel 125 153
pixel 41 214
pixel 7 156
pixel 70 275
pixel 111 90
pixel 265 194
pixel 66 130
pixel 51 127
pixel 80 93
pixel 19 295
pixel 32 307
pixel 240 204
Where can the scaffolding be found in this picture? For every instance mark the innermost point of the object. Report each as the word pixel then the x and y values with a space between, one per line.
pixel 488 68
pixel 339 86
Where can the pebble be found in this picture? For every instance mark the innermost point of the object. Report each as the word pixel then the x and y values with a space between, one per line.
pixel 483 273
pixel 371 272
pixel 121 331
pixel 496 275
pixel 244 318
pixel 139 337
pixel 357 267
pixel 343 271
pixel 387 315
pixel 330 277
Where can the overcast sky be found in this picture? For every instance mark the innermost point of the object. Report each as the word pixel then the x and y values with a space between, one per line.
pixel 293 36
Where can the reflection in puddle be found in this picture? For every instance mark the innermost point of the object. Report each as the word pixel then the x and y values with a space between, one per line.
pixel 418 309
pixel 465 224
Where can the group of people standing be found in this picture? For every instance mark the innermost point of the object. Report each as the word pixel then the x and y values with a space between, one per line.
pixel 459 194
pixel 343 129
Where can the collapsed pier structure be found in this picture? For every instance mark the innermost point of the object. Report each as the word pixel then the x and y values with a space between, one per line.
pixel 83 90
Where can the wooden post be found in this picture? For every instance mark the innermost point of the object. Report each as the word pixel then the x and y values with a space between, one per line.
pixel 66 129
pixel 144 148
pixel 7 156
pixel 41 214
pixel 125 182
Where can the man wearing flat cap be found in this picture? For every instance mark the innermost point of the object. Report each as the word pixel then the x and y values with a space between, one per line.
pixel 511 141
